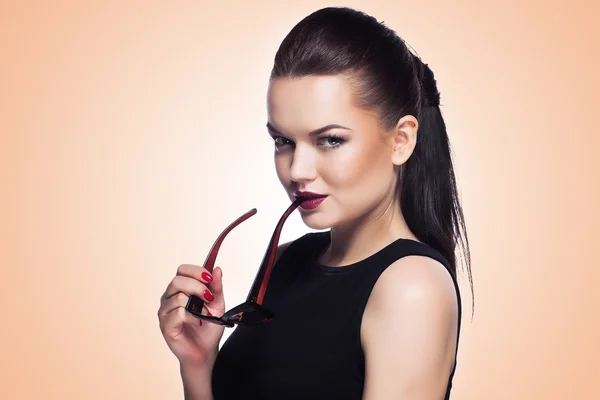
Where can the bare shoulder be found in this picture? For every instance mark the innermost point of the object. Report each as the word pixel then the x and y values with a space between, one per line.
pixel 415 280
pixel 409 330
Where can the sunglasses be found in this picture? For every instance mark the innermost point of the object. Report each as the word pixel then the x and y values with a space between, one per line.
pixel 251 312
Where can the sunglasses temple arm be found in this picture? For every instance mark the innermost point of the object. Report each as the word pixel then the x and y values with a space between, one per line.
pixel 259 287
pixel 195 303
pixel 209 263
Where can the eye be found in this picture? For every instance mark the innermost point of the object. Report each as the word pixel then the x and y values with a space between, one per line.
pixel 281 141
pixel 330 141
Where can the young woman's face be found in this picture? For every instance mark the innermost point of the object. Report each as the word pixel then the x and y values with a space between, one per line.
pixel 327 145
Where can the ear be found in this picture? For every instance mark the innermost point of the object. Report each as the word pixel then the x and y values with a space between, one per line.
pixel 404 139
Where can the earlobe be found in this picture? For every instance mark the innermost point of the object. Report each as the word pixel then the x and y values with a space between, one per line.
pixel 405 139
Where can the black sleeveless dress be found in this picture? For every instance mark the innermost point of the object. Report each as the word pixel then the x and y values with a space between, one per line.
pixel 312 349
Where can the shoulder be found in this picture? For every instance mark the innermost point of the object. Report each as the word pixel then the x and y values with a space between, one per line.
pixel 416 289
pixel 409 329
pixel 414 281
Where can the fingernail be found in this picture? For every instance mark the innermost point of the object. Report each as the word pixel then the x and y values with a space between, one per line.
pixel 208 313
pixel 208 295
pixel 207 277
pixel 200 322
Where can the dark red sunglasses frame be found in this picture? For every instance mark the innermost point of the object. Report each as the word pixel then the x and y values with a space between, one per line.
pixel 251 312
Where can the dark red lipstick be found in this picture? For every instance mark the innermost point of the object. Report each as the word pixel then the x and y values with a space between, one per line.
pixel 312 200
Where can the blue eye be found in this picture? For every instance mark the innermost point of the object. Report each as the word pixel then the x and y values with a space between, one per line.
pixel 331 141
pixel 328 142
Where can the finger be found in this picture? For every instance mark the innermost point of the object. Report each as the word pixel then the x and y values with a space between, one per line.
pixel 213 281
pixel 177 300
pixel 189 286
pixel 216 286
pixel 195 271
pixel 172 323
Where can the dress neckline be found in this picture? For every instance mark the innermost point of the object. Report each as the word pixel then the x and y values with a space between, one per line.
pixel 323 239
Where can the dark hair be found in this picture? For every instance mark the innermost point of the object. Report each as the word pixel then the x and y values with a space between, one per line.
pixel 393 81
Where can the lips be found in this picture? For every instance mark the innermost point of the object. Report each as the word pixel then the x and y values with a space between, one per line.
pixel 308 195
pixel 311 200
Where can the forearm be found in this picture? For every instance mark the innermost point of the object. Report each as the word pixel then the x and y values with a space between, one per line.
pixel 196 379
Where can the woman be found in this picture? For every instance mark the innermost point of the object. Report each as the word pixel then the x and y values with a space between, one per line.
pixel 370 308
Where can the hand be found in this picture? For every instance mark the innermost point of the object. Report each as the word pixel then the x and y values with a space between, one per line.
pixel 193 341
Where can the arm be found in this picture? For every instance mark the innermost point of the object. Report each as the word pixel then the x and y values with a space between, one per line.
pixel 409 331
pixel 197 380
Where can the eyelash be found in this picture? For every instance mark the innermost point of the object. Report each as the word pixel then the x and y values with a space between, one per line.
pixel 330 136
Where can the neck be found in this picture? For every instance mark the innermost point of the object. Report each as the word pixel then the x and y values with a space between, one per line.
pixel 367 235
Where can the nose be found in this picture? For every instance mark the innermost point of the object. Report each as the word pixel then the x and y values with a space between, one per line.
pixel 303 167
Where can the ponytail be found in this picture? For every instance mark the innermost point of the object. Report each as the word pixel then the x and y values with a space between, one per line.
pixel 428 192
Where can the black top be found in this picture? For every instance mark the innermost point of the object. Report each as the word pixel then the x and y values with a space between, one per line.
pixel 312 349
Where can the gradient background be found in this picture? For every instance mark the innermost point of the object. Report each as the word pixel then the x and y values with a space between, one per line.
pixel 133 132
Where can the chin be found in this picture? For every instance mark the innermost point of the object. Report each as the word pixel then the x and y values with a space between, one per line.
pixel 317 221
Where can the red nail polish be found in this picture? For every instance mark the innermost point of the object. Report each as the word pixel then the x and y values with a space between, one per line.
pixel 207 277
pixel 208 313
pixel 200 322
pixel 208 295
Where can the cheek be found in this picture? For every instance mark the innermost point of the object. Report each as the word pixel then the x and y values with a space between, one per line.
pixel 354 167
pixel 282 168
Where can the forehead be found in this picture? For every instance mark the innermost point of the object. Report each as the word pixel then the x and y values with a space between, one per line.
pixel 311 101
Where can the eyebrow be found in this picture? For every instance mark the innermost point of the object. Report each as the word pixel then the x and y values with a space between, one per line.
pixel 314 132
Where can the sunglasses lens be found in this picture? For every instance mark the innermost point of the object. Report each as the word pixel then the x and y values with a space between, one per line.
pixel 250 318
pixel 249 313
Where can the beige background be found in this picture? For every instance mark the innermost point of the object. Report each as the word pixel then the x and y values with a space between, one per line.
pixel 133 132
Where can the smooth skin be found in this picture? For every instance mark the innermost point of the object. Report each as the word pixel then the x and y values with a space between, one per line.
pixel 409 326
